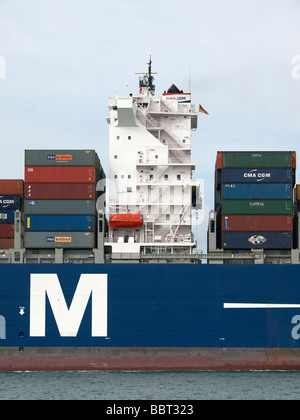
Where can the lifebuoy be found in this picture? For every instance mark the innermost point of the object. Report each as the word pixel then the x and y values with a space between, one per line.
pixel 169 239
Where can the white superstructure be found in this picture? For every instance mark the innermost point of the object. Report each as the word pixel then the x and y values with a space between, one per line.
pixel 151 192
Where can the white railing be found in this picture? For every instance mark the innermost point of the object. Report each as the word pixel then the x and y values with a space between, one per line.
pixel 148 117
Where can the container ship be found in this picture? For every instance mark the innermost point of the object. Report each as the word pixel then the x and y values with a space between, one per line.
pixel 103 274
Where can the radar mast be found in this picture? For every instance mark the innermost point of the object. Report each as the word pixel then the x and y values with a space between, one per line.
pixel 147 86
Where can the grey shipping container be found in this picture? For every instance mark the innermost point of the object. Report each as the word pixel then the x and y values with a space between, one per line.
pixel 265 240
pixel 62 158
pixel 74 240
pixel 264 175
pixel 60 207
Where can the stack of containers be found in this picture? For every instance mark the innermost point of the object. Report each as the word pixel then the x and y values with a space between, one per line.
pixel 254 199
pixel 296 216
pixel 11 199
pixel 60 198
pixel 297 198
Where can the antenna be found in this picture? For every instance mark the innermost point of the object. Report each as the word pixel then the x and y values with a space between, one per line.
pixel 190 74
pixel 146 81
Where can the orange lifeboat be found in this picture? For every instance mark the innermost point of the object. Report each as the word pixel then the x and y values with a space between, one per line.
pixel 133 221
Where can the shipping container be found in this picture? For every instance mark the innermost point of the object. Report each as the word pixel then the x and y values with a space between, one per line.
pixel 217 199
pixel 298 192
pixel 11 187
pixel 76 223
pixel 62 158
pixel 60 191
pixel 247 223
pixel 257 207
pixel 261 176
pixel 51 174
pixel 7 243
pixel 232 191
pixel 10 202
pixel 218 178
pixel 258 239
pixel 7 216
pixel 7 230
pixel 258 160
pixel 219 161
pixel 87 207
pixel 75 240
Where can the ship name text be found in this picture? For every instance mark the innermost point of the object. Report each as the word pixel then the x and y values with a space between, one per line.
pixel 68 320
pixel 296 329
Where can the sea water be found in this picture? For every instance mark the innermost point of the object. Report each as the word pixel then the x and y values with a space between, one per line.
pixel 162 386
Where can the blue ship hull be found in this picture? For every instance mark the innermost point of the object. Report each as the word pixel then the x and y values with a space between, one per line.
pixel 155 316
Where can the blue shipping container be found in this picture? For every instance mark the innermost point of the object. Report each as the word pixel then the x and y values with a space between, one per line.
pixel 10 202
pixel 45 223
pixel 257 191
pixel 7 216
pixel 265 240
pixel 273 175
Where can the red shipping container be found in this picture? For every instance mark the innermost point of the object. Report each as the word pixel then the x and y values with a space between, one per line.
pixel 11 186
pixel 7 243
pixel 60 191
pixel 256 223
pixel 7 231
pixel 62 174
pixel 294 160
pixel 219 162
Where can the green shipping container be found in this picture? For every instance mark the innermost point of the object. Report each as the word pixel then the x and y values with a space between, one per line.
pixel 258 160
pixel 257 207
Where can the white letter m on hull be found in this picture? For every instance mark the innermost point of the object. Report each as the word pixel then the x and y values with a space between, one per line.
pixel 68 320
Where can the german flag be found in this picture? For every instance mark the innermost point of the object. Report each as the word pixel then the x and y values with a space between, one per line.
pixel 202 110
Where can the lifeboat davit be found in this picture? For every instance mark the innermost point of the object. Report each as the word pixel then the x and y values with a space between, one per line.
pixel 133 221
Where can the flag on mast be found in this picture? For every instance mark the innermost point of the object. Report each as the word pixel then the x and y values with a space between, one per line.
pixel 202 110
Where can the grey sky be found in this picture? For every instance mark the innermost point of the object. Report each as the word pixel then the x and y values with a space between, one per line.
pixel 65 58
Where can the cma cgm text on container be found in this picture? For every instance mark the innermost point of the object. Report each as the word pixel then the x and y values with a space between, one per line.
pixel 267 175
